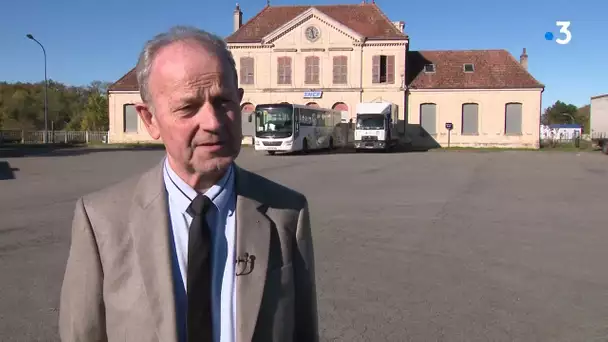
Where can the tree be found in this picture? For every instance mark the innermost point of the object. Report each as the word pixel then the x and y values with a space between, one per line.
pixel 559 113
pixel 95 114
pixel 69 107
pixel 583 116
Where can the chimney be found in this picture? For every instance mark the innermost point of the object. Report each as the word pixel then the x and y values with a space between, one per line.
pixel 237 18
pixel 523 59
pixel 400 25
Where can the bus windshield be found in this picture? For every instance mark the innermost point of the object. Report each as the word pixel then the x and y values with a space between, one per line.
pixel 370 121
pixel 275 122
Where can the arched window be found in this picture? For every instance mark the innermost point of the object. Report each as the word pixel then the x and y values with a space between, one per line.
pixel 341 106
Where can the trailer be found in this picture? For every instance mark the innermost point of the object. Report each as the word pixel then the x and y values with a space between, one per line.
pixel 598 122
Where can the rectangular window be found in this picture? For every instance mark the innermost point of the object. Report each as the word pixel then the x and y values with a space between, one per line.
pixel 340 70
pixel 428 118
pixel 513 118
pixel 284 70
pixel 312 70
pixel 130 118
pixel 470 117
pixel 247 70
pixel 383 69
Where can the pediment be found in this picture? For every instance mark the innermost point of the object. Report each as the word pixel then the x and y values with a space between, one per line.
pixel 306 16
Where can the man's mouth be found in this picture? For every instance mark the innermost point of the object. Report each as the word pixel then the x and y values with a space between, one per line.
pixel 211 143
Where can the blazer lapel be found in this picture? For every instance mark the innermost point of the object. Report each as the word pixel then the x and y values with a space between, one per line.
pixel 252 237
pixel 149 225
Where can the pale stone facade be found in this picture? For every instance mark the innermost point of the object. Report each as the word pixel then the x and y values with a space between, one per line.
pixel 492 108
pixel 334 44
pixel 326 56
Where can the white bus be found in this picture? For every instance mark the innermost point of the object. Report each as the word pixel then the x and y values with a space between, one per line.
pixel 286 127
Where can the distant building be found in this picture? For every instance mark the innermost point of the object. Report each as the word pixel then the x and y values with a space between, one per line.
pixel 561 131
pixel 335 56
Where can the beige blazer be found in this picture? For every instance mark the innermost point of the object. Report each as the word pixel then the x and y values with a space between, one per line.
pixel 118 284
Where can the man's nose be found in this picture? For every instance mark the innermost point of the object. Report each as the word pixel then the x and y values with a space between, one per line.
pixel 209 117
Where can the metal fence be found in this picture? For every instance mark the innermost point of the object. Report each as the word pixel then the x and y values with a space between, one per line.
pixel 576 142
pixel 66 137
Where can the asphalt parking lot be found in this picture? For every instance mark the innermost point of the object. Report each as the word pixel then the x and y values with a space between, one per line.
pixel 436 246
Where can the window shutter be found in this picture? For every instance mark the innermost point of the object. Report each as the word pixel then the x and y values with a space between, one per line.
pixel 344 70
pixel 336 69
pixel 288 70
pixel 279 69
pixel 251 70
pixel 339 70
pixel 376 69
pixel 315 70
pixel 246 71
pixel 390 69
pixel 243 70
pixel 309 67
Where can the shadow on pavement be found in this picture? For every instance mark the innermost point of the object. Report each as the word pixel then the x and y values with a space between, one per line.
pixel 18 151
pixel 6 171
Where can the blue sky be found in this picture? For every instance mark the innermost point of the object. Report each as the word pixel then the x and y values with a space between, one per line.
pixel 90 40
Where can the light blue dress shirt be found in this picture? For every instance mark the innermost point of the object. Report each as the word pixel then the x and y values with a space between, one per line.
pixel 221 219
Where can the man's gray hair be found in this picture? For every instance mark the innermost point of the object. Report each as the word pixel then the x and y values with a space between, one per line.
pixel 211 42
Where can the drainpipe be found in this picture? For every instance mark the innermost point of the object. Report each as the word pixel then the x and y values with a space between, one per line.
pixel 361 75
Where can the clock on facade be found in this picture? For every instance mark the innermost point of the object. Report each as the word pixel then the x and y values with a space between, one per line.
pixel 312 33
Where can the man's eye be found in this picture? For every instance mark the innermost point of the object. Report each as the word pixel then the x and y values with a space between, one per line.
pixel 186 110
pixel 223 101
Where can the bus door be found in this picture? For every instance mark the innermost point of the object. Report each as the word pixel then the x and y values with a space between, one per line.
pixel 296 123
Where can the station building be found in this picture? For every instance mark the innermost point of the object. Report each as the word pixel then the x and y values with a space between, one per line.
pixel 335 56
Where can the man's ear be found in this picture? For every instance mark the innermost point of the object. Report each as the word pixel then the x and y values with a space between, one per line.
pixel 149 120
pixel 240 93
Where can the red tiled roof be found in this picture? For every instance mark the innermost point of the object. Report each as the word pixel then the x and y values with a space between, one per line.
pixel 493 69
pixel 365 19
pixel 126 83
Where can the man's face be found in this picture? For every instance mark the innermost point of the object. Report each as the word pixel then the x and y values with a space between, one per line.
pixel 195 108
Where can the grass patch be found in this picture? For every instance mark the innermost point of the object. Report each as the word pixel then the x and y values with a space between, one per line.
pixel 559 148
pixel 484 149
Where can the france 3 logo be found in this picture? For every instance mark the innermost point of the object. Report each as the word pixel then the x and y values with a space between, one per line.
pixel 564 29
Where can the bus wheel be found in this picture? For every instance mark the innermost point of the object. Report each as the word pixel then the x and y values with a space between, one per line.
pixel 270 153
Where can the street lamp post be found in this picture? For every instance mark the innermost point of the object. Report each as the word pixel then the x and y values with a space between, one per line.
pixel 46 85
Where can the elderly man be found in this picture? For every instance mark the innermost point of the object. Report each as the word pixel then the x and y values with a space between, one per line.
pixel 197 248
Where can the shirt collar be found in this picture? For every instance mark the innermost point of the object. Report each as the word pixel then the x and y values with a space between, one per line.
pixel 182 194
